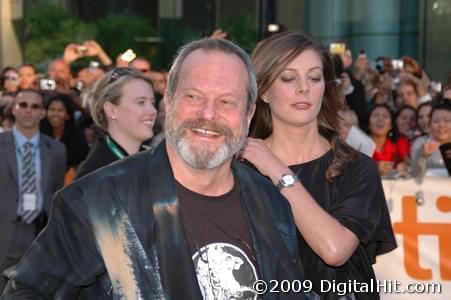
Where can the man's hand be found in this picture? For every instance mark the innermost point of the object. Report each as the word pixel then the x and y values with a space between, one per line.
pixel 72 53
pixel 416 81
pixel 219 34
pixel 120 62
pixel 94 49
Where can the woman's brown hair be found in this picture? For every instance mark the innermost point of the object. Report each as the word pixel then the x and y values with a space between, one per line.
pixel 270 58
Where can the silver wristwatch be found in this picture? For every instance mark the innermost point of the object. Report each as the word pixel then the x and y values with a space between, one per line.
pixel 287 180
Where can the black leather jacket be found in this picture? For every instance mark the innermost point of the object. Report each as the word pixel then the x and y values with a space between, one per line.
pixel 116 234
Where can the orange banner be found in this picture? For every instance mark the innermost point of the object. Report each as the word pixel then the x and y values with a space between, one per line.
pixel 421 217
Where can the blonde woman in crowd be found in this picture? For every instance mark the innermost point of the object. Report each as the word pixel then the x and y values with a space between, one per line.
pixel 122 105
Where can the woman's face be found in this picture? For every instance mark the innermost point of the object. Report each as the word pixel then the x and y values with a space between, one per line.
pixel 27 77
pixel 380 122
pixel 440 127
pixel 296 95
pixel 135 112
pixel 405 121
pixel 424 116
pixel 57 114
pixel 11 81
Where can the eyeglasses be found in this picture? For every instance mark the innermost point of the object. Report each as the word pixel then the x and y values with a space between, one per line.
pixel 25 105
pixel 118 72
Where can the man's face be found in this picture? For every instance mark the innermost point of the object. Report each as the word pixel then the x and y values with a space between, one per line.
pixel 159 81
pixel 59 70
pixel 28 110
pixel 407 95
pixel 141 65
pixel 206 120
pixel 90 75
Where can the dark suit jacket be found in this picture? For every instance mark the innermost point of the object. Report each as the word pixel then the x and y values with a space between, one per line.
pixel 117 233
pixel 53 166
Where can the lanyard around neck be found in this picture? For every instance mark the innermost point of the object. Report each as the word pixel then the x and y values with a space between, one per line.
pixel 119 153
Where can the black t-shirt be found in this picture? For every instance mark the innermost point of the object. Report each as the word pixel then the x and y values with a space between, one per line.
pixel 356 199
pixel 220 243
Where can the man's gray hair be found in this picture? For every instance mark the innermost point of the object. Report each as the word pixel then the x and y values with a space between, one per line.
pixel 212 45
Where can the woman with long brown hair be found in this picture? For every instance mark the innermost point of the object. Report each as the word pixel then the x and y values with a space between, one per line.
pixel 335 192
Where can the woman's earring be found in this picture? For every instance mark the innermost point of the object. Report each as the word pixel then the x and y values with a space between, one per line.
pixel 265 100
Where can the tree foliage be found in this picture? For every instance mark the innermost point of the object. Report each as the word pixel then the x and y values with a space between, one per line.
pixel 120 32
pixel 49 29
pixel 242 31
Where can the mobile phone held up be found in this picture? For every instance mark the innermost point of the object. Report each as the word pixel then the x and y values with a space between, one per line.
pixel 128 55
pixel 397 64
pixel 337 48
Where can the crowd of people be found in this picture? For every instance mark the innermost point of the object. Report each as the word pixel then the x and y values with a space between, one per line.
pixel 406 115
pixel 289 121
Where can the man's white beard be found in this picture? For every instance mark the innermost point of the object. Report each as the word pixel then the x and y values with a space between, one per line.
pixel 202 158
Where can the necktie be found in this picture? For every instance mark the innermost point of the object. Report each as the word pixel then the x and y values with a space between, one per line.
pixel 29 185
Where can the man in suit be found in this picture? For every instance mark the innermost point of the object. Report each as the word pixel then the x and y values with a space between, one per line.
pixel 186 221
pixel 32 168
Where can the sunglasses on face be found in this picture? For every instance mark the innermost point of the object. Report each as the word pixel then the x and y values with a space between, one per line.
pixel 118 72
pixel 25 105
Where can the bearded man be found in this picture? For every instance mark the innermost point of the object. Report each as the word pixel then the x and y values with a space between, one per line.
pixel 184 222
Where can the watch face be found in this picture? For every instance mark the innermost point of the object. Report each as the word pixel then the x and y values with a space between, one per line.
pixel 288 180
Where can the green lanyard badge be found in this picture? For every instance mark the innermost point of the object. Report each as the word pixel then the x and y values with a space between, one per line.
pixel 114 148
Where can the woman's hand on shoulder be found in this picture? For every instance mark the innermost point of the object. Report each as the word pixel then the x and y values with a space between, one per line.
pixel 261 156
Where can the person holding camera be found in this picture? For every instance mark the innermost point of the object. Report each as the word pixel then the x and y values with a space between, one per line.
pixel 59 73
pixel 90 48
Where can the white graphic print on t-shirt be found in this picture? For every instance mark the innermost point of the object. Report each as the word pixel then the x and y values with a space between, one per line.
pixel 224 271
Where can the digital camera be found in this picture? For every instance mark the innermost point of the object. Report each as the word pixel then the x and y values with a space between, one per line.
pixel 47 84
